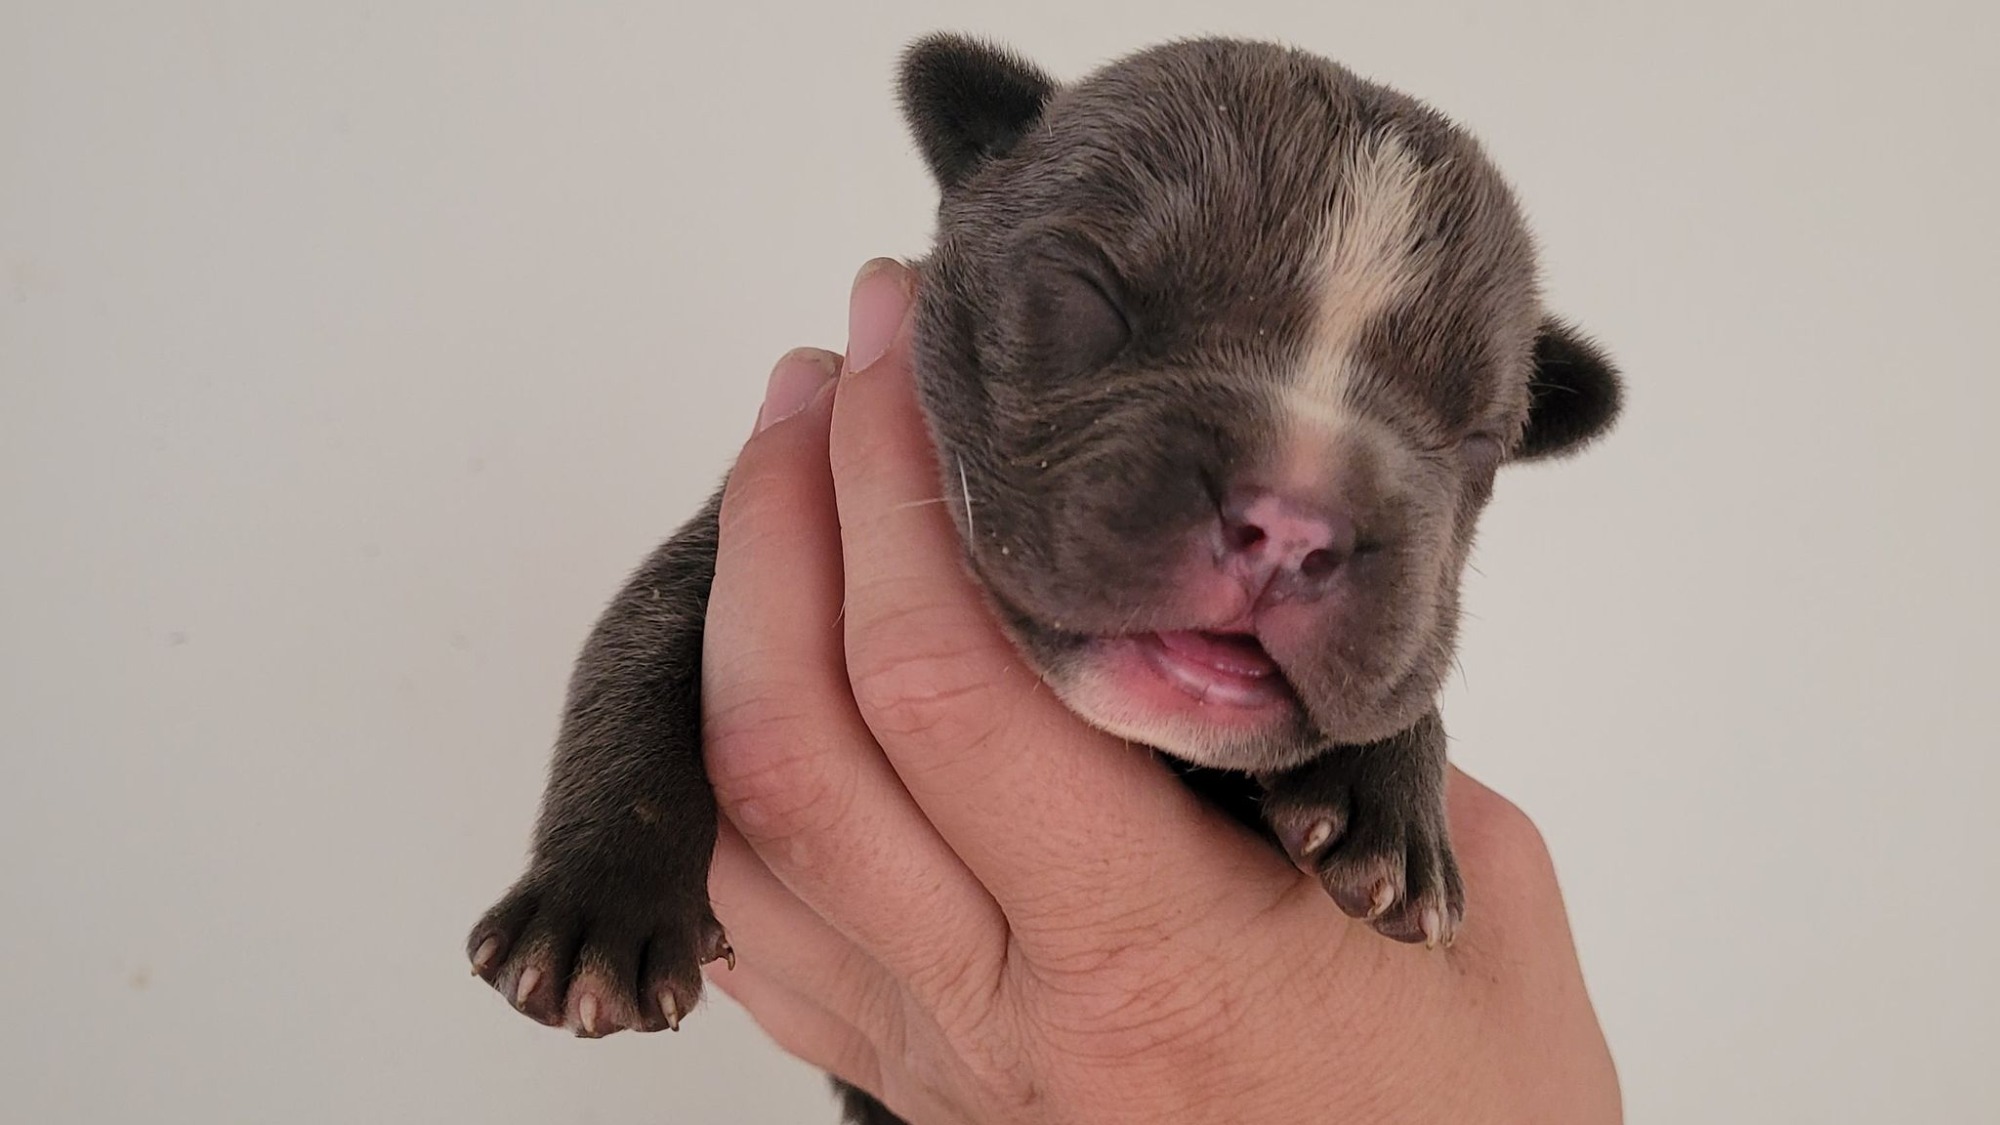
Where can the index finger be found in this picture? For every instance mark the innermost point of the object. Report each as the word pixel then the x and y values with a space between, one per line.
pixel 1063 823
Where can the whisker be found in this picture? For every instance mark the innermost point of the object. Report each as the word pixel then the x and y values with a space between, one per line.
pixel 1131 620
pixel 971 534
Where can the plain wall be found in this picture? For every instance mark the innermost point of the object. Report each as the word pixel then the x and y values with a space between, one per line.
pixel 350 354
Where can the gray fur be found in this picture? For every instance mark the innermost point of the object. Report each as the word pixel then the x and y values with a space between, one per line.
pixel 1130 281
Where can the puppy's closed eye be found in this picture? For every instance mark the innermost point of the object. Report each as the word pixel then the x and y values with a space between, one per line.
pixel 1065 310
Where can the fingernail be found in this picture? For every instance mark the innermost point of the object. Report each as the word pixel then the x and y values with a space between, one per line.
pixel 794 381
pixel 880 299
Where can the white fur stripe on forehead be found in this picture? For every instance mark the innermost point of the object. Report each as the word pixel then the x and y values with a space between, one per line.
pixel 1368 264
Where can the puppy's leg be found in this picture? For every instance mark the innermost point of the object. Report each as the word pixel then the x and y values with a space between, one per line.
pixel 1370 822
pixel 610 926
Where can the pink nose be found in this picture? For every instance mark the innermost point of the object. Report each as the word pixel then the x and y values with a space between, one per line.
pixel 1284 547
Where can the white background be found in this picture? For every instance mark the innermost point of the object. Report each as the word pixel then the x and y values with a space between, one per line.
pixel 351 353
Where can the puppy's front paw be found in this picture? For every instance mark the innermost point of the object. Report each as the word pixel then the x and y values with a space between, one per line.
pixel 1383 855
pixel 598 949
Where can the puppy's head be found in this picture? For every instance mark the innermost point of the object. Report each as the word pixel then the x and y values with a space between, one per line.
pixel 1221 348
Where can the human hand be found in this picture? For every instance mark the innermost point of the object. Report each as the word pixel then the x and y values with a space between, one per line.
pixel 947 890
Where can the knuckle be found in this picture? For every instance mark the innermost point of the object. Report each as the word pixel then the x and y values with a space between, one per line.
pixel 1138 1004
pixel 918 677
pixel 993 1061
pixel 1079 939
pixel 957 992
pixel 854 988
pixel 771 775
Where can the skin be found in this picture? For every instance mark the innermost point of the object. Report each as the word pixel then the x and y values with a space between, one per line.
pixel 947 890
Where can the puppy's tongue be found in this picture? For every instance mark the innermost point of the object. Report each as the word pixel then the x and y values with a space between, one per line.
pixel 1235 654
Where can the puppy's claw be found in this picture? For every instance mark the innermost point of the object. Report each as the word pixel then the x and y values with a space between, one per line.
pixel 1307 835
pixel 670 1007
pixel 525 987
pixel 586 1016
pixel 482 961
pixel 1316 837
pixel 715 944
pixel 1432 927
pixel 1383 898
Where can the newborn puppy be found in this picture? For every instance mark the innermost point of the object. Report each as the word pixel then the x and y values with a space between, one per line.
pixel 1220 350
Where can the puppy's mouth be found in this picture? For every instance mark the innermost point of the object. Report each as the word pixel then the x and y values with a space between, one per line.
pixel 1214 695
pixel 1223 669
pixel 1209 692
pixel 1223 682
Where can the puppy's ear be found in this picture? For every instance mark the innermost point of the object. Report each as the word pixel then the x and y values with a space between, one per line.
pixel 1575 396
pixel 968 102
